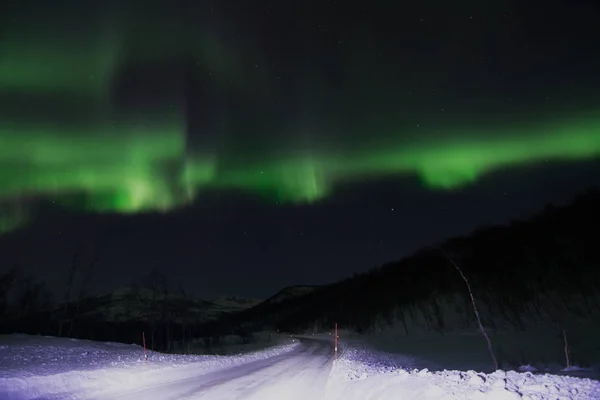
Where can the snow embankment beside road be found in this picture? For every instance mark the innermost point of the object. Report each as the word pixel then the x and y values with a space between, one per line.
pixel 364 374
pixel 40 366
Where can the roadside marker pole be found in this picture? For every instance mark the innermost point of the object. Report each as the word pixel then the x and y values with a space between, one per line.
pixel 144 342
pixel 336 340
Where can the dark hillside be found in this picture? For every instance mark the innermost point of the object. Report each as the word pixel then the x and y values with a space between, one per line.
pixel 545 270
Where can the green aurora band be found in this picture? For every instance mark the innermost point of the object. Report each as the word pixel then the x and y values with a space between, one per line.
pixel 119 163
pixel 447 163
pixel 143 168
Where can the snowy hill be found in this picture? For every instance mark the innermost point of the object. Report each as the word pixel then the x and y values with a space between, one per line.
pixel 131 304
pixel 290 292
pixel 233 303
pixel 264 314
pixel 171 319
pixel 140 304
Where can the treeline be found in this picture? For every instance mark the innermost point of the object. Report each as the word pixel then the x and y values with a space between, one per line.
pixel 170 318
pixel 24 303
pixel 547 267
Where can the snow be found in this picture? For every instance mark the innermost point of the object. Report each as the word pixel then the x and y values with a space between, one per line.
pixel 361 373
pixel 536 349
pixel 36 367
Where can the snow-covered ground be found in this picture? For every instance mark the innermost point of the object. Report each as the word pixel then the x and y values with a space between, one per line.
pixel 365 374
pixel 35 367
pixel 42 367
pixel 540 346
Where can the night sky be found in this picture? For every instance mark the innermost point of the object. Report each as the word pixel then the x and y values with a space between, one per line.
pixel 244 146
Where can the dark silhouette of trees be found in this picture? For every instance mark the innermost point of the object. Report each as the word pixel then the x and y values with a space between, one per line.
pixel 7 283
pixel 84 270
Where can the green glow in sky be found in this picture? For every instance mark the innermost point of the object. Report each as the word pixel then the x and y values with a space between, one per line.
pixel 101 158
pixel 81 68
pixel 132 168
pixel 446 161
pixel 455 160
pixel 118 166
pixel 12 217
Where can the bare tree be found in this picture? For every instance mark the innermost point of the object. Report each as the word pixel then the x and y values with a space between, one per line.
pixel 183 318
pixel 70 282
pixel 72 306
pixel 475 310
pixel 7 281
pixel 155 283
pixel 33 297
pixel 89 274
pixel 167 315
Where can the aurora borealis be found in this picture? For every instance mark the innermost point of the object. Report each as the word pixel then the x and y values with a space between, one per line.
pixel 125 168
pixel 115 112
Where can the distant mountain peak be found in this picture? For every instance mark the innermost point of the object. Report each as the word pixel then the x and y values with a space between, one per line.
pixel 291 291
pixel 236 302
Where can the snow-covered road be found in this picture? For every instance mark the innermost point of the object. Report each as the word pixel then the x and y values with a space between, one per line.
pixel 299 374
pixel 49 368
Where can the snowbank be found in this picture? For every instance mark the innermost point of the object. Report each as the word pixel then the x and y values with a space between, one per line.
pixel 363 374
pixel 34 366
